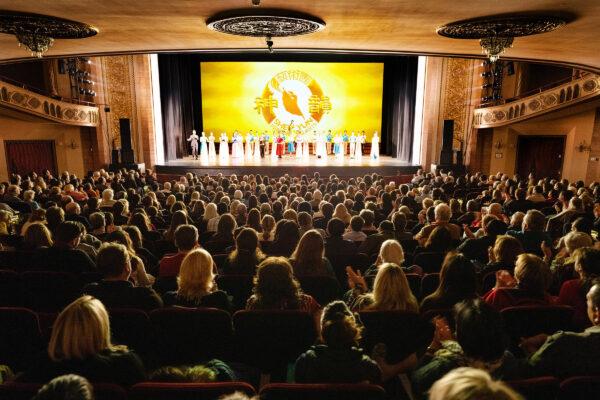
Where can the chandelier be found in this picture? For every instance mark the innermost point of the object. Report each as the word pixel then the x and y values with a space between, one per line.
pixel 37 32
pixel 496 34
pixel 263 22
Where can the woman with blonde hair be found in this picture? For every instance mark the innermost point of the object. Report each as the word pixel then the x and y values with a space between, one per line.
pixel 196 285
pixel 390 252
pixel 342 213
pixel 309 256
pixel 467 383
pixel 391 291
pixel 81 344
pixel 36 236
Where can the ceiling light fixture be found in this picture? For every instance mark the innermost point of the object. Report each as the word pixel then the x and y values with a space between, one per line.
pixel 497 33
pixel 266 23
pixel 37 32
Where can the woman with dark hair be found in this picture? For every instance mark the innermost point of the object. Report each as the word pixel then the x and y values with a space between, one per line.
pixel 223 238
pixel 179 218
pixel 309 256
pixel 573 292
pixel 338 359
pixel 149 259
pixel 275 288
pixel 287 235
pixel 246 256
pixel 253 220
pixel 439 241
pixel 478 341
pixel 140 219
pixel 458 282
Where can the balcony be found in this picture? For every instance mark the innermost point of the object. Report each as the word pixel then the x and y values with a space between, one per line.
pixel 66 111
pixel 575 91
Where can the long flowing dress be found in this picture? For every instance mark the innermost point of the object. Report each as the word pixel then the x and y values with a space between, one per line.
pixel 358 150
pixel 321 151
pixel 299 140
pixel 235 146
pixel 280 144
pixel 212 154
pixel 203 148
pixel 352 145
pixel 224 148
pixel 375 147
pixel 248 146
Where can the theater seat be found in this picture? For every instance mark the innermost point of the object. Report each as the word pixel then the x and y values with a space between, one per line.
pixel 49 291
pixel 10 289
pixel 541 388
pixel 189 335
pixel 580 388
pixel 132 328
pixel 430 262
pixel 187 391
pixel 429 284
pixel 238 286
pixel 403 333
pixel 20 337
pixel 219 260
pixel 324 289
pixel 25 391
pixel 409 245
pixel 414 281
pixel 526 321
pixel 321 391
pixel 269 340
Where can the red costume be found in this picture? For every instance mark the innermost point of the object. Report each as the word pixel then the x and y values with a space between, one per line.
pixel 280 145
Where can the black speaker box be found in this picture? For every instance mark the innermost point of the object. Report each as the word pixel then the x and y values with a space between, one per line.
pixel 125 132
pixel 448 137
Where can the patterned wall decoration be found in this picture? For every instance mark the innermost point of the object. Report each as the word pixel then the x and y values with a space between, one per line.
pixel 119 93
pixel 457 95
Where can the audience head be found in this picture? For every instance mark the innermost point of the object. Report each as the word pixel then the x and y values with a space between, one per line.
pixel 37 235
pixel 534 221
pixel 335 227
pixel 467 383
pixel 458 278
pixel 339 329
pixel 196 275
pixel 507 249
pixel 391 290
pixel 186 237
pixel 442 213
pixel 532 274
pixel 576 240
pixel 68 233
pixel 391 252
pixel 66 387
pixel 274 282
pixel 113 261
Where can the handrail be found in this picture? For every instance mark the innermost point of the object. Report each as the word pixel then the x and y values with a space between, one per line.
pixel 45 92
pixel 535 91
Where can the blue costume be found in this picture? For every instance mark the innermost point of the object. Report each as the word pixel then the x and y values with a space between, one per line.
pixel 291 147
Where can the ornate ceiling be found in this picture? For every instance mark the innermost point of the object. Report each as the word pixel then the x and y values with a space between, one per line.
pixel 359 25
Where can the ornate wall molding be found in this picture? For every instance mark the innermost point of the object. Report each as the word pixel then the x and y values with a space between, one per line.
pixel 457 95
pixel 21 99
pixel 575 91
pixel 118 79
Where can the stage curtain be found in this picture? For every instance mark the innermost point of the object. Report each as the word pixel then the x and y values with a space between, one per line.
pixel 180 98
pixel 399 97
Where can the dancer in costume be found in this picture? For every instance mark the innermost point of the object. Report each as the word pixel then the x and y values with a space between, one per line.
pixel 249 138
pixel 261 144
pixel 235 145
pixel 193 139
pixel 267 139
pixel 290 143
pixel 360 139
pixel 352 145
pixel 375 146
pixel 203 147
pixel 328 141
pixel 212 154
pixel 308 139
pixel 299 141
pixel 280 146
pixel 345 139
pixel 320 146
pixel 224 147
pixel 337 146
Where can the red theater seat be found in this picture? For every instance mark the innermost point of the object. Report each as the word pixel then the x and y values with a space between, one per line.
pixel 580 388
pixel 20 337
pixel 542 388
pixel 429 284
pixel 187 391
pixel 323 288
pixel 321 391
pixel 526 321
pixel 25 391
pixel 429 261
pixel 132 328
pixel 10 289
pixel 238 286
pixel 49 291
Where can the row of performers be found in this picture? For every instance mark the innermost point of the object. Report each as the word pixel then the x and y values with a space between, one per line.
pixel 258 146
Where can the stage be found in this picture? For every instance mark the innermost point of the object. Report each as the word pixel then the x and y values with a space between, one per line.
pixel 345 168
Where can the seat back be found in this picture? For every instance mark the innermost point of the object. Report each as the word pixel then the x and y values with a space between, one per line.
pixel 580 388
pixel 429 261
pixel 190 335
pixel 165 284
pixel 409 245
pixel 271 339
pixel 49 290
pixel 20 337
pixel 162 247
pixel 403 333
pixel 187 391
pixel 238 286
pixel 322 391
pixel 25 391
pixel 10 289
pixel 542 388
pixel 219 260
pixel 526 321
pixel 414 281
pixel 132 328
pixel 324 289
pixel 429 284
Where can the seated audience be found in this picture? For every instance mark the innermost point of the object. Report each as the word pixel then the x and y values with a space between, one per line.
pixel 81 344
pixel 36 236
pixel 186 239
pixel 116 290
pixel 267 224
pixel 223 238
pixel 246 256
pixel 442 218
pixel 373 242
pixel 211 371
pixel 355 233
pixel 390 252
pixel 309 256
pixel 337 359
pixel 196 285
pixel 336 247
pixel 467 383
pixel 532 235
pixel 66 387
pixel 275 288
pixel 287 235
pixel 503 255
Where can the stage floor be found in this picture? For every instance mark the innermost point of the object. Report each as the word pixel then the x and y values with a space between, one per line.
pixel 345 167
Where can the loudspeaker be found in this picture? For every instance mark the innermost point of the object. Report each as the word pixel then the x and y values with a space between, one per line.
pixel 448 137
pixel 125 132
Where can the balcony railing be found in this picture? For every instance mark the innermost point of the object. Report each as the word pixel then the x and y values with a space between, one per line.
pixel 574 91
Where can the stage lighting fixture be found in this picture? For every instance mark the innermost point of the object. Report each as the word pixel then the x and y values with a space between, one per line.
pixel 256 3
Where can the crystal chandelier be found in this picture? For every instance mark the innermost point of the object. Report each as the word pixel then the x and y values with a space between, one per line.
pixel 37 44
pixel 494 46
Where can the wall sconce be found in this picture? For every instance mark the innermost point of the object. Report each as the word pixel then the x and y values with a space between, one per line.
pixel 498 145
pixel 73 145
pixel 583 146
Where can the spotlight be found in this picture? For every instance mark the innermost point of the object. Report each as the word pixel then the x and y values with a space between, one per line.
pixel 256 3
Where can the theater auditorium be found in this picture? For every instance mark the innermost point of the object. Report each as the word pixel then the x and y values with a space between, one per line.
pixel 299 200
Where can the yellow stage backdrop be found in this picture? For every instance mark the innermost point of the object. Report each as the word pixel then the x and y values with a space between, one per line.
pixel 291 96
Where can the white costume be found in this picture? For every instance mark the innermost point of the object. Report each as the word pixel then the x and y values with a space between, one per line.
pixel 375 146
pixel 360 139
pixel 299 141
pixel 237 149
pixel 249 145
pixel 256 146
pixel 352 145
pixel 193 139
pixel 203 148
pixel 224 147
pixel 212 154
